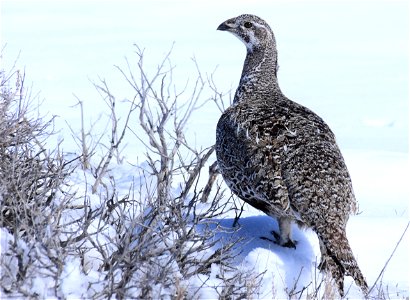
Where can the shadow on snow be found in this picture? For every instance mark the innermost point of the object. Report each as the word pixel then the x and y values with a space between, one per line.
pixel 287 264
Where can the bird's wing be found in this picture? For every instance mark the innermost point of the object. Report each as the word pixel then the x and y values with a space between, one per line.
pixel 263 138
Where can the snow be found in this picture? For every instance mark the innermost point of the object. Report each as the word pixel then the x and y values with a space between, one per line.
pixel 347 61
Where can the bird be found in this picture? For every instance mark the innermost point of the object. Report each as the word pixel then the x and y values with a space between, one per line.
pixel 283 159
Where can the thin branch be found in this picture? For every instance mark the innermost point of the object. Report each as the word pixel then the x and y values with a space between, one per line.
pixel 387 262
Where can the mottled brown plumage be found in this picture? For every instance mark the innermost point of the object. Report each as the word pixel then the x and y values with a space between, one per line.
pixel 282 158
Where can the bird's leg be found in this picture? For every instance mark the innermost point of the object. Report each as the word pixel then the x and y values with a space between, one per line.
pixel 323 251
pixel 285 230
pixel 283 237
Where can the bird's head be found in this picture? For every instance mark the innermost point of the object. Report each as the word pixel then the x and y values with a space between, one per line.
pixel 254 32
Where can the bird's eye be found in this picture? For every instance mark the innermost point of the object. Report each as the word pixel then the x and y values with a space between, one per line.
pixel 247 24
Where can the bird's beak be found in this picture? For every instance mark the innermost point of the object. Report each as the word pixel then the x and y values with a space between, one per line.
pixel 228 25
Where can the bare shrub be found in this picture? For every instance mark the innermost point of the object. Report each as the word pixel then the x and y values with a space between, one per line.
pixel 157 238
pixel 31 178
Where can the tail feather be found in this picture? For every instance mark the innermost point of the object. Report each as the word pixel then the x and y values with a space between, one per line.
pixel 338 260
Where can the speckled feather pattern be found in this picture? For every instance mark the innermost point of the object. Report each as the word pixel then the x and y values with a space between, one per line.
pixel 282 158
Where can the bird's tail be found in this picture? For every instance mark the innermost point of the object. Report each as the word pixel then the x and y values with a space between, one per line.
pixel 338 260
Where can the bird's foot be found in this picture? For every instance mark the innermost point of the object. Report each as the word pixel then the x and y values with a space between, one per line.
pixel 287 243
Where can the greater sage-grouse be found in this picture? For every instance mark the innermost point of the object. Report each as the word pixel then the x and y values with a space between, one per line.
pixel 282 158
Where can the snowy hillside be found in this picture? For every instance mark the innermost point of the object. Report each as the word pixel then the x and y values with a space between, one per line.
pixel 347 61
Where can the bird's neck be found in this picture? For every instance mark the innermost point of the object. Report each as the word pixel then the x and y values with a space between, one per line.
pixel 258 74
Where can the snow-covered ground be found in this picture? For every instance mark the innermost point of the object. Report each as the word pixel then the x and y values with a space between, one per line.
pixel 348 61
